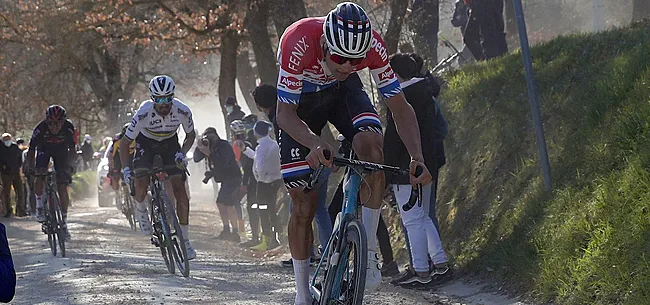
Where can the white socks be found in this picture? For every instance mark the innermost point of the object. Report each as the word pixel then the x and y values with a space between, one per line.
pixel 186 232
pixel 142 207
pixel 39 201
pixel 301 272
pixel 370 219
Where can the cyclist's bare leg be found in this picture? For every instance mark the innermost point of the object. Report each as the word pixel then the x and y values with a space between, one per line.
pixel 64 198
pixel 170 192
pixel 369 147
pixel 182 202
pixel 301 235
pixel 115 182
pixel 141 185
pixel 39 186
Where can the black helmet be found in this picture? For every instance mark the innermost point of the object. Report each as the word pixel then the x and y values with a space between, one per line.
pixel 55 113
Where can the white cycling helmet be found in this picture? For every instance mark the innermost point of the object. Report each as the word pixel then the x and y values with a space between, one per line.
pixel 161 85
pixel 348 31
pixel 237 127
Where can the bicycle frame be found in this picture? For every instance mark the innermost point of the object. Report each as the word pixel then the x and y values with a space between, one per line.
pixel 355 171
pixel 351 185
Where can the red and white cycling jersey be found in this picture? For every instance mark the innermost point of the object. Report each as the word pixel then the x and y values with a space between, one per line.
pixel 303 68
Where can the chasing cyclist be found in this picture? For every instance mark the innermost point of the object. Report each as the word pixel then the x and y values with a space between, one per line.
pixel 115 162
pixel 53 138
pixel 153 128
pixel 317 83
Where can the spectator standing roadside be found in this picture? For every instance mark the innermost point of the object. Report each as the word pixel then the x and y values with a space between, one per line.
pixel 11 161
pixel 223 168
pixel 429 260
pixel 87 151
pixel 249 183
pixel 266 168
pixel 30 197
pixel 459 20
pixel 485 31
pixel 233 112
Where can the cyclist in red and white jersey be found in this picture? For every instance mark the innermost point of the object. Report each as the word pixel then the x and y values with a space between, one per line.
pixel 317 83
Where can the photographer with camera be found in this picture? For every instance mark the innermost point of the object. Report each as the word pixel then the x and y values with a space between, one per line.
pixel 223 168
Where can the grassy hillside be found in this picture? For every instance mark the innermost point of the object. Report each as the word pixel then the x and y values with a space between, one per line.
pixel 588 242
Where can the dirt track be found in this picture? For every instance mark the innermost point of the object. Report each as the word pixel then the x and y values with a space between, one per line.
pixel 107 263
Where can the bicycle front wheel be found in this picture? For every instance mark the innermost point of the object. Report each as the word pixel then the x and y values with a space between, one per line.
pixel 164 233
pixel 177 239
pixel 57 222
pixel 50 226
pixel 59 230
pixel 346 277
pixel 129 208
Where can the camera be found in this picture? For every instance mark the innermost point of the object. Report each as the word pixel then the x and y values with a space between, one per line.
pixel 207 176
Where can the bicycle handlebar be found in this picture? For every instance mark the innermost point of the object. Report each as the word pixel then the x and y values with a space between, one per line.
pixel 154 171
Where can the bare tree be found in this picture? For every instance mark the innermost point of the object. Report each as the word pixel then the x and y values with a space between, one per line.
pixel 398 11
pixel 425 24
pixel 286 12
pixel 257 22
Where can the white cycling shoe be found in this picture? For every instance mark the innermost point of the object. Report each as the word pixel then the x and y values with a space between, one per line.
pixel 373 275
pixel 191 254
pixel 40 215
pixel 143 220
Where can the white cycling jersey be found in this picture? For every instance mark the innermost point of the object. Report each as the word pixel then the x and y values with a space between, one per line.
pixel 156 127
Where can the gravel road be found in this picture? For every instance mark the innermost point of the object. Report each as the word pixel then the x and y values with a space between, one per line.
pixel 107 263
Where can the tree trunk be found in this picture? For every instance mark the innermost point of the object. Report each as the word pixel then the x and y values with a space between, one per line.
pixel 511 21
pixel 425 24
pixel 397 13
pixel 257 21
pixel 246 78
pixel 286 12
pixel 227 68
pixel 640 10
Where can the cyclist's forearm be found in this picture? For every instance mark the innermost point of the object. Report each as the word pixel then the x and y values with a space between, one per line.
pixel 187 143
pixel 407 127
pixel 31 155
pixel 290 123
pixel 124 151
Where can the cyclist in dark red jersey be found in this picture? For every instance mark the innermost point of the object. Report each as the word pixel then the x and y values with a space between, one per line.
pixel 53 138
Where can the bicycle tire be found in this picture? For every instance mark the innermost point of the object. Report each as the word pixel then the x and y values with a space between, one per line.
pixel 129 209
pixel 352 290
pixel 51 236
pixel 177 240
pixel 59 230
pixel 164 235
pixel 50 224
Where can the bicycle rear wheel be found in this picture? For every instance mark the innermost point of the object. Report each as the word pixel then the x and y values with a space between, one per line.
pixel 164 233
pixel 177 239
pixel 346 277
